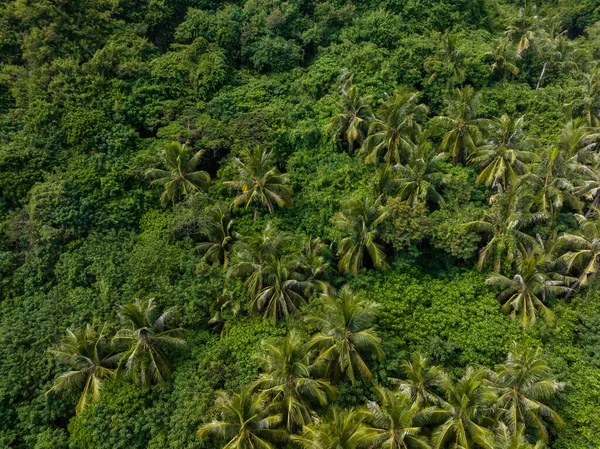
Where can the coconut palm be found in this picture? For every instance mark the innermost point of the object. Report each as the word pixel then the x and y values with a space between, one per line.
pixel 260 182
pixel 464 132
pixel 464 413
pixel 522 30
pixel 420 380
pixel 91 363
pixel 397 123
pixel 353 117
pixel 315 263
pixel 253 252
pixel 386 181
pixel 579 142
pixel 583 251
pixel 501 57
pixel 504 438
pixel 225 305
pixel 245 422
pixel 339 429
pixel 287 379
pixel 502 158
pixel 345 335
pixel 524 295
pixel 215 227
pixel 358 222
pixel 449 58
pixel 502 226
pixel 180 176
pixel 421 175
pixel 284 287
pixel 148 337
pixel 395 417
pixel 552 182
pixel 588 105
pixel 523 383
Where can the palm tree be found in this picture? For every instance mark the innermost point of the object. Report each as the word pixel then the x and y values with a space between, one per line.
pixel 587 105
pixel 287 379
pixel 583 255
pixel 345 335
pixel 148 336
pixel 284 287
pixel 352 120
pixel 394 418
pixel 253 252
pixel 358 222
pixel 315 264
pixel 245 422
pixel 180 177
pixel 421 175
pixel 216 229
pixel 503 225
pixel 449 58
pixel 523 28
pixel 390 135
pixel 507 439
pixel 91 362
pixel 260 182
pixel 386 181
pixel 421 380
pixel 464 129
pixel 524 294
pixel 339 429
pixel 579 141
pixel 465 410
pixel 502 64
pixel 552 183
pixel 502 158
pixel 523 383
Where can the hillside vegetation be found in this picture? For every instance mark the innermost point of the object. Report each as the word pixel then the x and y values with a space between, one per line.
pixel 318 224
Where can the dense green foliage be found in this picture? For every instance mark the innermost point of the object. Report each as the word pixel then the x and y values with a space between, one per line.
pixel 304 223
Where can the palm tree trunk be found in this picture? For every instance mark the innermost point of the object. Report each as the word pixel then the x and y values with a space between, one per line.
pixel 542 75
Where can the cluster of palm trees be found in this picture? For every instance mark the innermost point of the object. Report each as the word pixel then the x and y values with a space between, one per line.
pixel 138 349
pixel 294 399
pixel 533 185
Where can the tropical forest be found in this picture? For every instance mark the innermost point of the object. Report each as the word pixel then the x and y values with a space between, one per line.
pixel 300 224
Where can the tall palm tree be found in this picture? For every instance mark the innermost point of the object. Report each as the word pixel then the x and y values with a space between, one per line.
pixel 91 363
pixel 503 226
pixel 507 439
pixel 339 429
pixel 260 182
pixel 253 252
pixel 284 287
pixel 386 182
pixel 503 157
pixel 215 227
pixel 449 58
pixel 579 141
pixel 522 30
pixel 464 413
pixel 420 381
pixel 352 120
pixel 287 379
pixel 358 222
pixel 523 383
pixel 583 251
pixel 501 57
pixel 245 422
pixel 464 132
pixel 225 305
pixel 552 181
pixel 181 176
pixel 524 294
pixel 395 418
pixel 421 175
pixel 345 335
pixel 315 264
pixel 148 336
pixel 587 104
pixel 391 133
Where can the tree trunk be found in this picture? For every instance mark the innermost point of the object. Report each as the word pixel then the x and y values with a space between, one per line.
pixel 542 75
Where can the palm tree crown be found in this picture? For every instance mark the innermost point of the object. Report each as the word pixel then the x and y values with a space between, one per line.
pixel 345 335
pixel 148 336
pixel 181 176
pixel 352 120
